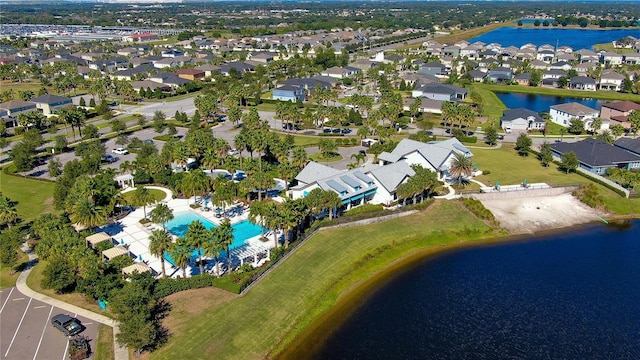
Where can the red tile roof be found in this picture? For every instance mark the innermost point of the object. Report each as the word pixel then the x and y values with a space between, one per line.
pixel 623 106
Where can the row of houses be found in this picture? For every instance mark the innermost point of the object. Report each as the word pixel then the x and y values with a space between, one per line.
pixel 48 104
pixel 378 183
pixel 597 156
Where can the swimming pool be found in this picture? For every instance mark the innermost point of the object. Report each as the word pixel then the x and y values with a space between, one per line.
pixel 241 231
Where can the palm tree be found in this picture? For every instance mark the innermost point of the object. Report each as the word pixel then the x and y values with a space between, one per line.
pixel 159 242
pixel 196 237
pixel 213 246
pixel 142 197
pixel 8 211
pixel 225 233
pixel 162 214
pixel 181 254
pixel 85 212
pixel 331 201
pixel 461 166
pixel 194 182
pixel 289 217
pixel 262 181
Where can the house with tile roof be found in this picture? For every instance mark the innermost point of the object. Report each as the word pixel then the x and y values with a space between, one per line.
pixel 618 112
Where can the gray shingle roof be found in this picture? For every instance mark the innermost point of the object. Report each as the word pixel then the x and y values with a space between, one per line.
pixel 314 172
pixel 520 113
pixel 392 175
pixel 629 144
pixel 595 152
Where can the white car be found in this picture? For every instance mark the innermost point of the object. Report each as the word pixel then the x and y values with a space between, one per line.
pixel 120 151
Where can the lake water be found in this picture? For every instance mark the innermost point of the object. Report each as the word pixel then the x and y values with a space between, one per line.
pixel 575 38
pixel 574 295
pixel 541 103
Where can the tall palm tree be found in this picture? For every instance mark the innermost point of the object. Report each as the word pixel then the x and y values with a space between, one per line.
pixel 331 201
pixel 195 182
pixel 289 217
pixel 159 242
pixel 8 211
pixel 142 197
pixel 181 254
pixel 162 214
pixel 85 212
pixel 196 237
pixel 213 246
pixel 225 233
pixel 461 166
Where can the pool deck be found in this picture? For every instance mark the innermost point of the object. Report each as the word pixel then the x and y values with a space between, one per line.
pixel 130 233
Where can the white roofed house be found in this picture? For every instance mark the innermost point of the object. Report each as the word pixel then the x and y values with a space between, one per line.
pixel 440 92
pixel 582 83
pixel 611 58
pixel 632 58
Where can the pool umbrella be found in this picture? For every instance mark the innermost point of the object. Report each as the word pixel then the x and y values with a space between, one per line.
pixel 139 257
pixel 121 241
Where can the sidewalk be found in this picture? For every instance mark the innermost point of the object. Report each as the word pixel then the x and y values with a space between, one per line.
pixel 120 353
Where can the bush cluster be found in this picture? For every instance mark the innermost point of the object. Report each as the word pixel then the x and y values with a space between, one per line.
pixel 167 286
pixel 476 207
pixel 589 195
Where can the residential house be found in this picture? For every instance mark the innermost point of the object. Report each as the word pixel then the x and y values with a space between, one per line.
pixel 208 69
pixel 618 112
pixel 500 74
pixel 340 72
pixel 585 67
pixel 433 69
pixel 551 78
pixel 139 61
pixel 140 37
pixel 172 53
pixel 149 85
pixel 237 66
pixel 585 55
pixel 291 93
pixel 610 80
pixel 597 156
pixel 582 83
pixel 133 73
pixel 49 103
pixel 539 65
pixel 631 145
pixel 426 105
pixel 566 57
pixel 190 74
pixel 262 57
pixel 611 58
pixel 545 56
pixel 451 50
pixel 521 119
pixel 562 114
pixel 477 75
pixel 561 65
pixel 9 110
pixel 127 51
pixel 440 92
pixel 169 79
pixel 632 58
pixel 109 65
pixel 167 62
pixel 523 78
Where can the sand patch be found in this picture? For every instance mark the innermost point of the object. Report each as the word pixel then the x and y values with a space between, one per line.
pixel 533 214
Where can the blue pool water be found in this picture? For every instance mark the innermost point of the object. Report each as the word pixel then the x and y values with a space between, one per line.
pixel 241 231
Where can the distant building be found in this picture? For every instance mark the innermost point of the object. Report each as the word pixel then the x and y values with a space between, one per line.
pixel 562 114
pixel 49 103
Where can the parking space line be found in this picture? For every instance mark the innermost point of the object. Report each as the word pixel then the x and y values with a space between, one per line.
pixel 66 348
pixel 44 328
pixel 18 328
pixel 17 299
pixel 39 307
pixel 7 299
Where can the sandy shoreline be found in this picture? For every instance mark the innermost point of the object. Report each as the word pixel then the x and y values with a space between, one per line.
pixel 540 213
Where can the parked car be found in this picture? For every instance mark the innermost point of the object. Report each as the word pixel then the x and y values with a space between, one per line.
pixel 363 152
pixel 429 132
pixel 148 141
pixel 336 131
pixel 68 325
pixel 120 151
pixel 326 130
pixel 109 158
pixel 346 131
pixel 500 137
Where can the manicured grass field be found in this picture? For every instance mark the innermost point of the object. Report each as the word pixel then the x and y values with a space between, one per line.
pixel 507 167
pixel 492 106
pixel 327 266
pixel 34 197
pixel 470 34
pixel 319 158
pixel 157 195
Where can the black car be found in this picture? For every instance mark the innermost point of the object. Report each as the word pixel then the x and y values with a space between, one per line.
pixel 346 131
pixel 68 325
pixel 326 130
pixel 362 152
pixel 429 132
pixel 501 137
pixel 147 141
pixel 336 131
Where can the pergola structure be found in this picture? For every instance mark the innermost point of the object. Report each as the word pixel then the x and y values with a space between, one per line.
pixel 95 239
pixel 244 252
pixel 115 252
pixel 137 267
pixel 125 181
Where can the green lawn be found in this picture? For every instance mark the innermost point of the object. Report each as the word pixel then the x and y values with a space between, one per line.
pixel 157 195
pixel 320 158
pixel 104 344
pixel 492 107
pixel 8 275
pixel 508 168
pixel 307 284
pixel 34 197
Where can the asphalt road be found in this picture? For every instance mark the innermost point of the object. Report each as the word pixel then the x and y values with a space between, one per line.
pixel 26 332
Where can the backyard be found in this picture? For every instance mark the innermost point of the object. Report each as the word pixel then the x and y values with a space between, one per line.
pixel 290 298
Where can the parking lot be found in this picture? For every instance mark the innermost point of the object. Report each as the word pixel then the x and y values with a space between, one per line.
pixel 26 331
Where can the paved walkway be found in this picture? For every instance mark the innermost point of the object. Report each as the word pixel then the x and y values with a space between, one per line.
pixel 120 353
pixel 450 195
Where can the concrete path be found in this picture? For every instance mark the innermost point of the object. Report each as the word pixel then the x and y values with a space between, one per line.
pixel 449 196
pixel 120 353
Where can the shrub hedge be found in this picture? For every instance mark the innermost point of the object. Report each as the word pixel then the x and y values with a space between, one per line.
pixel 476 207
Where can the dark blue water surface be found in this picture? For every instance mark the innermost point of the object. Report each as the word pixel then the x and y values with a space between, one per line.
pixel 569 296
pixel 541 103
pixel 575 38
